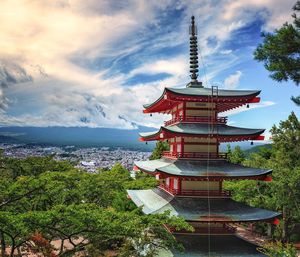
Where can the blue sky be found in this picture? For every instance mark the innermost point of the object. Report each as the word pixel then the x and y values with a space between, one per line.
pixel 94 63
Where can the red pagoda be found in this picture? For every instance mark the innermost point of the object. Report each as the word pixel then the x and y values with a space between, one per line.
pixel 192 172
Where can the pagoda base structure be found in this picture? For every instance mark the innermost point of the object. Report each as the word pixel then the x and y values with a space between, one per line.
pixel 213 246
pixel 213 221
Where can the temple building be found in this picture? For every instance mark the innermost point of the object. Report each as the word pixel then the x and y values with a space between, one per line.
pixel 192 172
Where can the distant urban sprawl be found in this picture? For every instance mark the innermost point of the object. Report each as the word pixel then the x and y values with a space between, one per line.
pixel 89 159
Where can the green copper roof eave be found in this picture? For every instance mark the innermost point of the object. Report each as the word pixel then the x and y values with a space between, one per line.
pixel 199 168
pixel 220 129
pixel 198 91
pixel 156 201
pixel 153 165
pixel 204 129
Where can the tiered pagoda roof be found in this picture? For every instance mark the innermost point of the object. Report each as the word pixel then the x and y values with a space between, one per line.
pixel 226 99
pixel 154 201
pixel 199 168
pixel 224 132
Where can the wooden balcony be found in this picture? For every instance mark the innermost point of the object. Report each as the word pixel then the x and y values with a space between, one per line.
pixel 225 230
pixel 197 119
pixel 193 155
pixel 199 193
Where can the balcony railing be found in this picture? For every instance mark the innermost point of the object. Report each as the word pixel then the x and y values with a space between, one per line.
pixel 223 193
pixel 226 229
pixel 193 155
pixel 219 120
pixel 210 193
pixel 168 189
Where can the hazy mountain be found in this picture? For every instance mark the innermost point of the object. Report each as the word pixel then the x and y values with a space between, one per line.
pixel 79 136
pixel 257 148
pixel 85 137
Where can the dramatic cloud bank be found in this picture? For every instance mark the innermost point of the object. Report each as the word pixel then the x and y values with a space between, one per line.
pixel 94 63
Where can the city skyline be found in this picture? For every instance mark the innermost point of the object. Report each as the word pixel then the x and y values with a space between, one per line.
pixel 94 63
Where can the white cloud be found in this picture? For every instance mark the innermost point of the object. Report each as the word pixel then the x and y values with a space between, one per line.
pixel 233 80
pixel 176 66
pixel 226 51
pixel 262 104
pixel 275 12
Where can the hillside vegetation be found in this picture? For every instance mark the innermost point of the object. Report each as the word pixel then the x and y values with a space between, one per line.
pixel 52 209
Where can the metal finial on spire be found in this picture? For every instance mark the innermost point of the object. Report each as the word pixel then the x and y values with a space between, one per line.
pixel 193 55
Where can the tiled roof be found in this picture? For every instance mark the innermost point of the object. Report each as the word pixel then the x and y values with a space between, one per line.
pixel 157 200
pixel 213 168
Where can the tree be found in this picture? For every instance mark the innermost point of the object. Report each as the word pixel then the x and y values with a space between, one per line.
pixel 286 142
pixel 236 156
pixel 280 52
pixel 89 211
pixel 286 164
pixel 158 150
pixel 278 249
pixel 283 193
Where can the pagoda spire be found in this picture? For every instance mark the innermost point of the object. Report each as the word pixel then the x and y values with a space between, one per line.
pixel 193 55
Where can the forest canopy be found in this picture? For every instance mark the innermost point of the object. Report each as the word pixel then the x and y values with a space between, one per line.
pixel 46 205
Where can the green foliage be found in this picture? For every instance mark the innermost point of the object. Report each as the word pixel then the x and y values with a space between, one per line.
pixel 142 181
pixel 296 99
pixel 158 150
pixel 283 193
pixel 286 140
pixel 33 166
pixel 245 190
pixel 278 249
pixel 89 211
pixel 236 156
pixel 262 149
pixel 280 52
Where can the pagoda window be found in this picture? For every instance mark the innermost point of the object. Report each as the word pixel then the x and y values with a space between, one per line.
pixel 167 181
pixel 178 148
pixel 171 148
pixel 211 148
pixel 200 105
pixel 199 140
pixel 200 185
pixel 175 183
pixel 200 113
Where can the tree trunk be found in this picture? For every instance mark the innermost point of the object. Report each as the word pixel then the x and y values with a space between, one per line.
pixel 285 229
pixel 19 251
pixel 3 245
pixel 270 230
pixel 13 246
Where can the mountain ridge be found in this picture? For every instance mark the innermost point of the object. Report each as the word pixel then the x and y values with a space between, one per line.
pixel 87 137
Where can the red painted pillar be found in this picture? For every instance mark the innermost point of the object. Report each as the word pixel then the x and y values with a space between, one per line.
pixel 182 146
pixel 184 110
pixel 179 185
